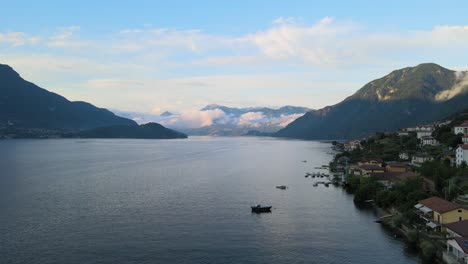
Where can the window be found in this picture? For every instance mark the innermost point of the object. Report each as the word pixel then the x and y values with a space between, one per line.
pixel 459 211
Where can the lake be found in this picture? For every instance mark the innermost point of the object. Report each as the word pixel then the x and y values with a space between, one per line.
pixel 180 201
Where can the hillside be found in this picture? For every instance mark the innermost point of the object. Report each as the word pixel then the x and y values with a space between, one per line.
pixel 24 104
pixel 404 97
pixel 147 131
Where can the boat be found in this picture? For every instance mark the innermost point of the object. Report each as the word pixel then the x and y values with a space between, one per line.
pixel 304 161
pixel 282 187
pixel 260 209
pixel 326 184
pixel 315 184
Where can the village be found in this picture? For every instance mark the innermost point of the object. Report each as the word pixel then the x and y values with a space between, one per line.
pixel 417 179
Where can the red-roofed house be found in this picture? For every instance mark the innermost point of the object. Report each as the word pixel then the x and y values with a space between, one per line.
pixel 457 249
pixel 457 244
pixel 437 211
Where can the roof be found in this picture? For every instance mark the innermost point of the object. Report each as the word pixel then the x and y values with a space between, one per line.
pixel 428 137
pixel 371 159
pixel 463 243
pixel 460 227
pixel 422 155
pixel 398 164
pixel 439 205
pixel 393 176
pixel 371 167
pixel 463 146
pixel 464 124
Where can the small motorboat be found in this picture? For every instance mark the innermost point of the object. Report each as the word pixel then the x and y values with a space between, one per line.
pixel 326 184
pixel 315 184
pixel 282 187
pixel 304 161
pixel 260 209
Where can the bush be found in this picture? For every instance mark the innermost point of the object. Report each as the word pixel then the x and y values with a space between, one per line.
pixel 428 250
pixel 398 221
pixel 413 236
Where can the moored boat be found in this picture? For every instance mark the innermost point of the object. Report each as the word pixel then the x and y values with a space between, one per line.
pixel 282 187
pixel 260 209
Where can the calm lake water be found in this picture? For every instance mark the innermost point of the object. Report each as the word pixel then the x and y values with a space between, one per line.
pixel 180 201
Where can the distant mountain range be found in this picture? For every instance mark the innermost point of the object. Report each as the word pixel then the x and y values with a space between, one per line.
pixel 219 120
pixel 403 98
pixel 25 107
pixel 231 121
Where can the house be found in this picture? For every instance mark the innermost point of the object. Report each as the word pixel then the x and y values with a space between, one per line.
pixel 403 133
pixel 404 156
pixel 420 158
pixel 397 167
pixel 450 156
pixel 461 129
pixel 457 250
pixel 344 160
pixel 352 145
pixel 423 131
pixel 368 169
pixel 388 179
pixel 461 154
pixel 465 139
pixel 457 229
pixel 457 240
pixel 429 141
pixel 371 162
pixel 428 185
pixel 437 212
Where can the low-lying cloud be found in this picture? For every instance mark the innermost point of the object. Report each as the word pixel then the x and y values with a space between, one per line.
pixel 197 119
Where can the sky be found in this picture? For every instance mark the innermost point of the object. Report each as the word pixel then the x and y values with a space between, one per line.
pixel 153 56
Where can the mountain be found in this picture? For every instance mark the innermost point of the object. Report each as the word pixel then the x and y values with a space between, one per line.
pixel 403 98
pixel 28 111
pixel 146 131
pixel 231 121
pixel 166 113
pixel 24 104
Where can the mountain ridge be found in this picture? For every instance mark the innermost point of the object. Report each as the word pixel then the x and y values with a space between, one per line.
pixel 29 111
pixel 404 97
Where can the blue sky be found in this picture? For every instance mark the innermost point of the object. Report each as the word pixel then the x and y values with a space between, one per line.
pixel 149 56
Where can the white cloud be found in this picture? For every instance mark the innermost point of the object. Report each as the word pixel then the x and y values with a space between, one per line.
pixel 250 118
pixel 16 39
pixel 284 63
pixel 195 118
pixel 65 38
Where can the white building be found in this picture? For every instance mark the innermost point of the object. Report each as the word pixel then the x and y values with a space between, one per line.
pixel 461 154
pixel 429 141
pixel 352 145
pixel 465 139
pixel 423 133
pixel 457 244
pixel 404 156
pixel 403 133
pixel 462 129
pixel 419 159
